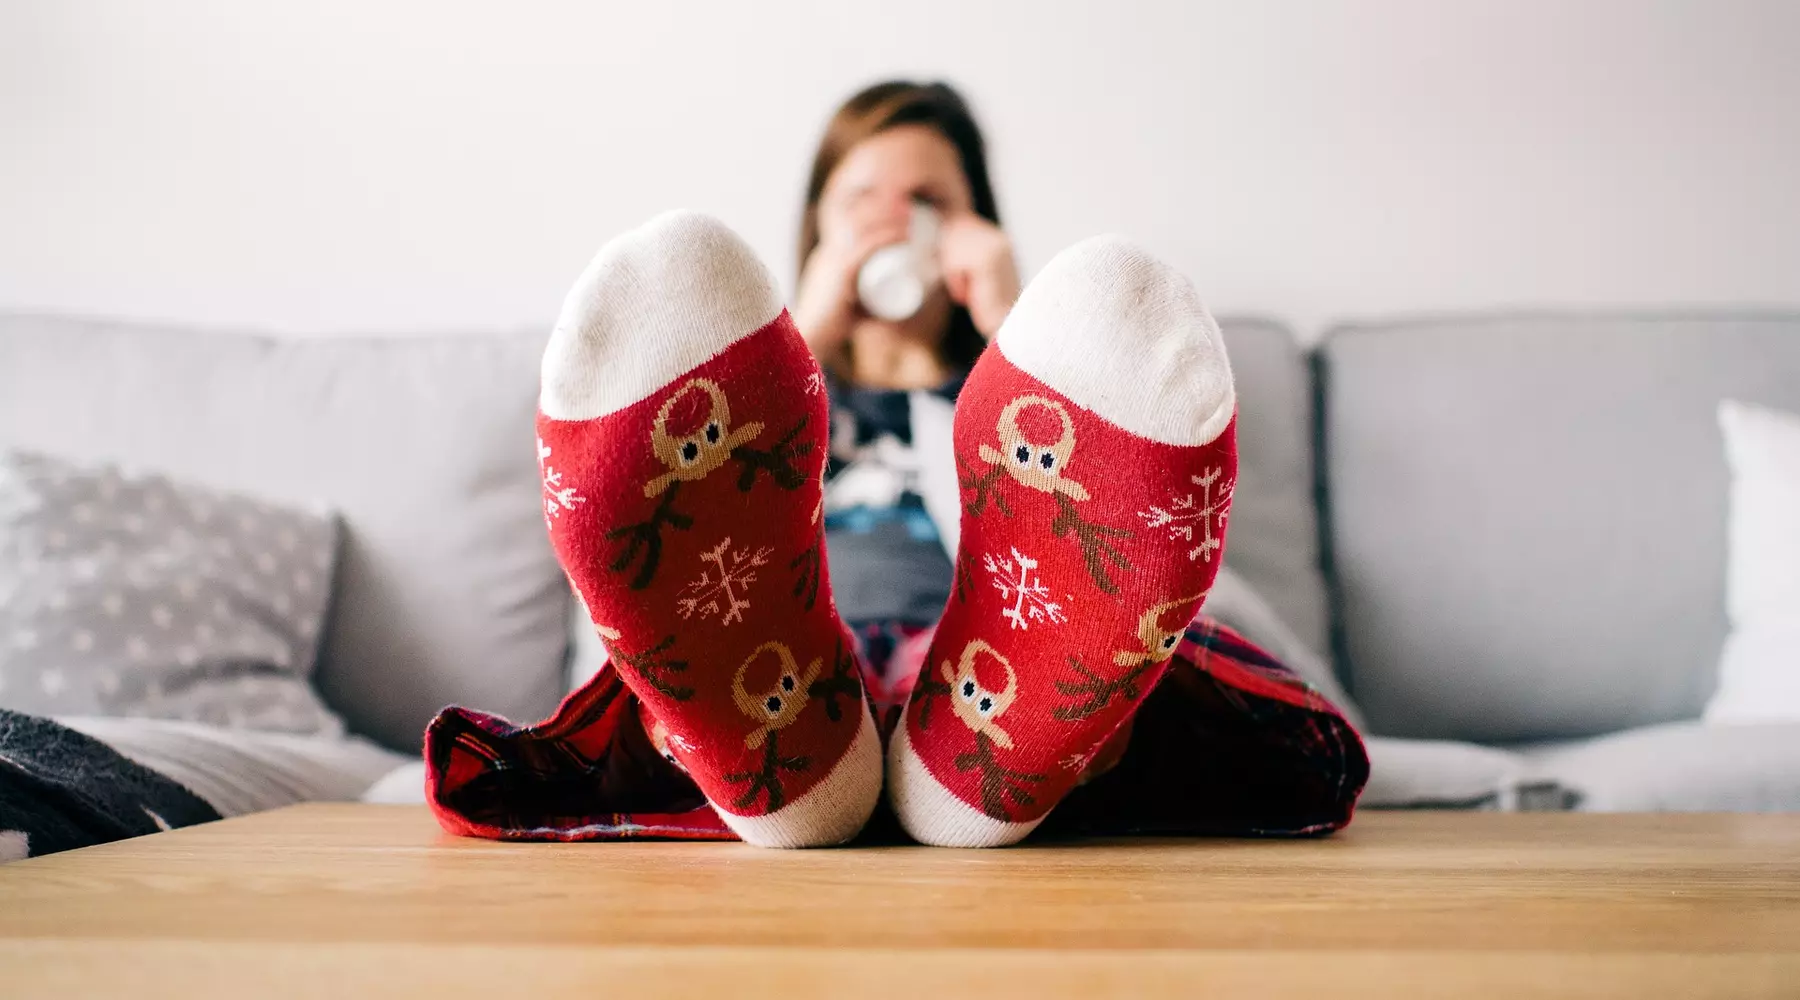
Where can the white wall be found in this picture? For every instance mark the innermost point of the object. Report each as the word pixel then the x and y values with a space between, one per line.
pixel 426 164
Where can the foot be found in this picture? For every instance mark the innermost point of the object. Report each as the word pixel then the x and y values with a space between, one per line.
pixel 682 435
pixel 1097 449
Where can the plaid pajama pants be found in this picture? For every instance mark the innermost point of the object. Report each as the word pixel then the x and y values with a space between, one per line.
pixel 1228 743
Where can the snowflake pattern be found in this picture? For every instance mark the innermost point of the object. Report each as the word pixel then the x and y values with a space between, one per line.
pixel 719 592
pixel 1029 596
pixel 815 384
pixel 557 497
pixel 1209 511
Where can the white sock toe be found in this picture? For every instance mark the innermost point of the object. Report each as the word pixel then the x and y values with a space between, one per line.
pixel 1126 336
pixel 932 814
pixel 829 813
pixel 655 303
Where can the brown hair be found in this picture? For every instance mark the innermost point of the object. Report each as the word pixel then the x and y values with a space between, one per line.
pixel 881 107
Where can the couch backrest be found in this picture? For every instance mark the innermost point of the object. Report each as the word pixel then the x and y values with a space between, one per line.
pixel 1527 515
pixel 1274 528
pixel 446 587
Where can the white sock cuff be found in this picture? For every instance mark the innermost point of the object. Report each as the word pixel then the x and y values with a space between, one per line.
pixel 1126 336
pixel 654 303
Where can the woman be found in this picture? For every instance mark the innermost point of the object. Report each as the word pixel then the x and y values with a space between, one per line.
pixel 889 147
pixel 681 426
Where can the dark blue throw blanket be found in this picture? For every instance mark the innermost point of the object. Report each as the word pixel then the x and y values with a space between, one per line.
pixel 60 789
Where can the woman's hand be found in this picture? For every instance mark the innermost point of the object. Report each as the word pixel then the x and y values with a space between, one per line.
pixel 825 302
pixel 979 272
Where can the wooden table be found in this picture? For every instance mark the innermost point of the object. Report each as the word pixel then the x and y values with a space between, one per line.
pixel 342 900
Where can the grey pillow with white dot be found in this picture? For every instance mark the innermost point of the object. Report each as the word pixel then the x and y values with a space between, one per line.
pixel 127 594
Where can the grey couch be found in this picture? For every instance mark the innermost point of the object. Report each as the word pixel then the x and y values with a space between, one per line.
pixel 1507 534
pixel 1521 544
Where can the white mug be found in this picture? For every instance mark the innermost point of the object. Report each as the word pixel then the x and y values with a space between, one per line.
pixel 894 281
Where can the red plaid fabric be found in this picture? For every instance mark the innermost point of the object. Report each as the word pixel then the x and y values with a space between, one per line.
pixel 1230 742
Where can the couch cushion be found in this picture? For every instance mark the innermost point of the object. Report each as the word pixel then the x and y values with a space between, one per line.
pixel 1527 515
pixel 446 588
pixel 1678 767
pixel 1273 541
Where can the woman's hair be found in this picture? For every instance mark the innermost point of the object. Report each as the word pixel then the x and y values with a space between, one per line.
pixel 881 107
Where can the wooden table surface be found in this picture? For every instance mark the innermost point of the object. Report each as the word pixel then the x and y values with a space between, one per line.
pixel 344 900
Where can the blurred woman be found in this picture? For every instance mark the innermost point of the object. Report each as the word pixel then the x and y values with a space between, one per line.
pixel 890 149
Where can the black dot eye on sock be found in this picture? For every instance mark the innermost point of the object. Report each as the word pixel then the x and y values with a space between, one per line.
pixel 985 706
pixel 712 433
pixel 690 451
pixel 787 682
pixel 1023 454
pixel 773 705
pixel 968 689
pixel 1047 460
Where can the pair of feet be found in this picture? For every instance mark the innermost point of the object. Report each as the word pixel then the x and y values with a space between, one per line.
pixel 682 438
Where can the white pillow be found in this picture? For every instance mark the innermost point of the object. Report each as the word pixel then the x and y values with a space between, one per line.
pixel 1759 671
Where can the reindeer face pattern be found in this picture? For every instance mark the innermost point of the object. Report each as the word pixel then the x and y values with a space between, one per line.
pixel 1030 458
pixel 1159 641
pixel 697 454
pixel 979 708
pixel 777 707
pixel 1039 465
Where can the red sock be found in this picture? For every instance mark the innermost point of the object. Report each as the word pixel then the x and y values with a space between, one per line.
pixel 682 432
pixel 1097 445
